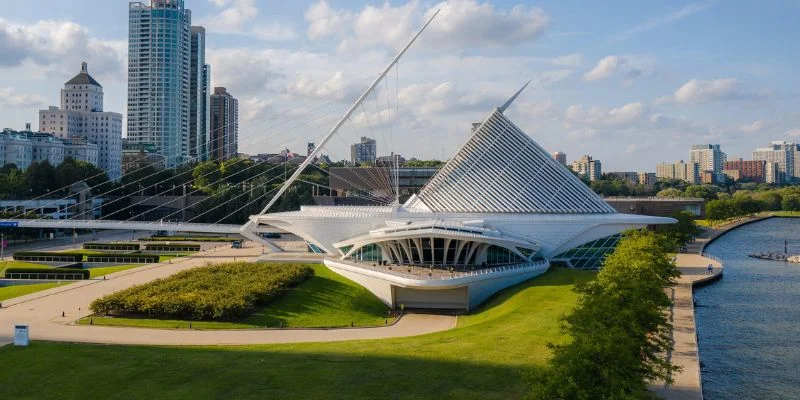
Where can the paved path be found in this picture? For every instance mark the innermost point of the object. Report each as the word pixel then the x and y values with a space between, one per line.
pixel 42 311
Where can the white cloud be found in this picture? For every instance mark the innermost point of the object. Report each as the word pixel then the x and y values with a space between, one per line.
pixel 698 91
pixel 756 126
pixel 629 67
pixel 59 47
pixel 325 21
pixel 461 24
pixel 576 115
pixel 10 98
pixel 233 17
pixel 658 22
pixel 569 60
pixel 274 32
pixel 793 133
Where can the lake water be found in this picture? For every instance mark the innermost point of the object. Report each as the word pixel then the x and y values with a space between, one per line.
pixel 748 323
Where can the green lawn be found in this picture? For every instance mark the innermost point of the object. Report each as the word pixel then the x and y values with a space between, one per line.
pixel 100 271
pixel 326 300
pixel 787 214
pixel 486 357
pixel 9 292
pixel 16 264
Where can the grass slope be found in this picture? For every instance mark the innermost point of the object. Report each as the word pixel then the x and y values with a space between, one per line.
pixel 9 292
pixel 326 300
pixel 486 357
pixel 100 271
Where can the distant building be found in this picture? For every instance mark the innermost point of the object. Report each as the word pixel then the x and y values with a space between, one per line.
pixel 732 174
pixel 224 125
pixel 709 178
pixel 560 157
pixel 630 177
pixel 23 148
pixel 646 178
pixel 679 170
pixel 310 148
pixel 365 151
pixel 199 92
pixel 159 77
pixel 748 170
pixel 589 168
pixel 658 206
pixel 783 154
pixel 363 186
pixel 772 173
pixel 136 156
pixel 81 115
pixel 390 160
pixel 710 158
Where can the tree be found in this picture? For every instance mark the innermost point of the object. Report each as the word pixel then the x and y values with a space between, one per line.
pixel 708 192
pixel 681 232
pixel 772 200
pixel 205 175
pixel 620 332
pixel 670 192
pixel 791 202
pixel 41 178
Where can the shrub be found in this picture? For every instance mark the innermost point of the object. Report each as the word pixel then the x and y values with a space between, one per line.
pixel 51 272
pixel 136 258
pixel 188 239
pixel 220 292
pixel 111 246
pixel 172 247
pixel 46 256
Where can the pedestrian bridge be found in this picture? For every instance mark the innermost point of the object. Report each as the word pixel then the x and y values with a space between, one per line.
pixel 132 226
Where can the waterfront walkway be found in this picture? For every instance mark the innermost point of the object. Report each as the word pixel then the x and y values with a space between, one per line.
pixel 694 270
pixel 42 311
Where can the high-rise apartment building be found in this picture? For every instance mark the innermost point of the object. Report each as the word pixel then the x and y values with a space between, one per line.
pixel 748 170
pixel 783 154
pixel 710 158
pixel 679 170
pixel 365 151
pixel 81 116
pixel 159 77
pixel 589 168
pixel 560 157
pixel 199 91
pixel 224 128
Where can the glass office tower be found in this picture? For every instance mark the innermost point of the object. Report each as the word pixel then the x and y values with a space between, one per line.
pixel 199 92
pixel 159 56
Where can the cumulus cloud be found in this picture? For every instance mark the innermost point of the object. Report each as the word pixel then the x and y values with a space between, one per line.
pixel 59 47
pixel 243 71
pixel 568 60
pixel 629 67
pixel 793 133
pixel 10 98
pixel 704 91
pixel 232 17
pixel 460 24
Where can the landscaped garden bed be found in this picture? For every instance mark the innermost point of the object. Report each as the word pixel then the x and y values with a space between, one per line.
pixel 215 293
pixel 189 239
pixel 111 246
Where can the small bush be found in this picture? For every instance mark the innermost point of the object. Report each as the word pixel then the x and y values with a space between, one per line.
pixel 46 256
pixel 188 239
pixel 136 258
pixel 172 247
pixel 111 246
pixel 47 271
pixel 220 292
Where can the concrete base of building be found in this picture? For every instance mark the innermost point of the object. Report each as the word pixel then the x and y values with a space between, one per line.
pixel 459 291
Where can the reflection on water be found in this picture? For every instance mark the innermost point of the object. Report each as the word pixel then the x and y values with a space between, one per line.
pixel 748 323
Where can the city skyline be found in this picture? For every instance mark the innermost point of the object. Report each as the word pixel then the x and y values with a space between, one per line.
pixel 628 96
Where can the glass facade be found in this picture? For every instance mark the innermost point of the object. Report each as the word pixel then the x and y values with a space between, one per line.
pixel 590 255
pixel 159 49
pixel 436 252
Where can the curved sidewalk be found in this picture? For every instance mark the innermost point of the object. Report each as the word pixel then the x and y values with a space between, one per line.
pixel 42 311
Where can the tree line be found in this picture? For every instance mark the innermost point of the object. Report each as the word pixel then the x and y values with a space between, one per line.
pixel 42 178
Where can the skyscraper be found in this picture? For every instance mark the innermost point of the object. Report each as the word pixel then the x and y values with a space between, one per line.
pixel 365 151
pixel 224 143
pixel 159 58
pixel 711 158
pixel 589 168
pixel 783 154
pixel 198 96
pixel 81 116
pixel 560 157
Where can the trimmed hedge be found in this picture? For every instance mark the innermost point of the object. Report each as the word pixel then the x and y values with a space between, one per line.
pixel 220 292
pixel 36 256
pixel 47 271
pixel 136 258
pixel 172 247
pixel 188 239
pixel 111 246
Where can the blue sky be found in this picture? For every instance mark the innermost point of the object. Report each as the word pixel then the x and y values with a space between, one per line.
pixel 632 83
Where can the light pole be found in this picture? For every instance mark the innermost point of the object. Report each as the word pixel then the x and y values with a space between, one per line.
pixel 74 238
